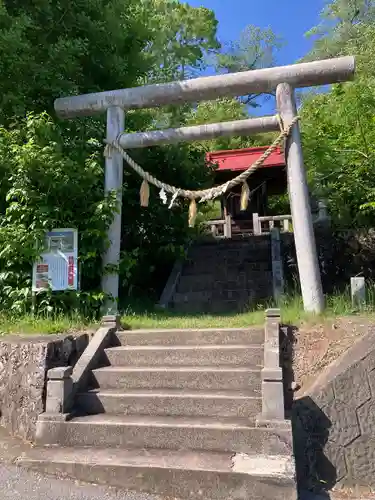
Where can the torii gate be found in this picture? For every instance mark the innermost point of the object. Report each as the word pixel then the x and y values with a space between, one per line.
pixel 283 79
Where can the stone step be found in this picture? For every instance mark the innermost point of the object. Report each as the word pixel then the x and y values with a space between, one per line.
pixel 249 355
pixel 215 283
pixel 223 268
pixel 217 307
pixel 172 474
pixel 180 377
pixel 203 433
pixel 261 289
pixel 191 336
pixel 221 246
pixel 171 403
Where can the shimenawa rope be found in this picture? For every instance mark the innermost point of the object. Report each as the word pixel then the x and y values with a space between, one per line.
pixel 205 194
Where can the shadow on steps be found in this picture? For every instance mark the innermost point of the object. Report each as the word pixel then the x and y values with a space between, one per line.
pixel 316 475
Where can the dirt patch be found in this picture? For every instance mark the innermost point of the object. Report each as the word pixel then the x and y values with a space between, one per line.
pixel 316 346
pixel 353 494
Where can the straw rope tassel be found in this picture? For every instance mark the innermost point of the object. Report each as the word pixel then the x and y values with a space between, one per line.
pixel 192 212
pixel 245 194
pixel 144 193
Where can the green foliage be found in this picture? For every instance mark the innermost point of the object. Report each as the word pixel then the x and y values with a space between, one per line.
pixel 256 48
pixel 341 23
pixel 182 38
pixel 58 47
pixel 338 135
pixel 339 125
pixel 51 172
pixel 48 186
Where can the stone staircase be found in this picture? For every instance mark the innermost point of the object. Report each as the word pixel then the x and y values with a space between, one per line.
pixel 223 276
pixel 178 413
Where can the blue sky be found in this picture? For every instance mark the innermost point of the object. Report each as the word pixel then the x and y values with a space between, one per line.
pixel 289 19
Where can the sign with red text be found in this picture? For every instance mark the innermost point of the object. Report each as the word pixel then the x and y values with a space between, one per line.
pixel 57 268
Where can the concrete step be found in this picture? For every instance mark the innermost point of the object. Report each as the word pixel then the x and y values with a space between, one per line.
pixel 180 377
pixel 171 403
pixel 260 289
pixel 202 355
pixel 225 268
pixel 192 337
pixel 176 433
pixel 220 280
pixel 172 474
pixel 216 307
pixel 248 246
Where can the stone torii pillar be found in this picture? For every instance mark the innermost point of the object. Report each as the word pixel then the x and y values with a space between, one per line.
pixel 113 182
pixel 304 238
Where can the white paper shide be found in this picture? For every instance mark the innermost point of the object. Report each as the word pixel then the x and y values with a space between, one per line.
pixel 57 267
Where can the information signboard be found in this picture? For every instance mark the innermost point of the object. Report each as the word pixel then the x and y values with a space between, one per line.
pixel 57 268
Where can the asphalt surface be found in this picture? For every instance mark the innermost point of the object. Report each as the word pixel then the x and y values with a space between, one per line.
pixel 17 483
pixel 21 484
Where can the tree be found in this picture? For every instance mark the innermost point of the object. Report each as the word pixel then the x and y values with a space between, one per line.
pixel 57 47
pixel 338 137
pixel 224 109
pixel 341 23
pixel 182 37
pixel 255 49
pixel 52 171
pixel 338 125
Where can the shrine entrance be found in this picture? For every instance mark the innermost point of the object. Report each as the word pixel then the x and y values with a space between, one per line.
pixel 284 80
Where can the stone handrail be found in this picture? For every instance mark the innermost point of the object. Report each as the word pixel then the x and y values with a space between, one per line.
pixel 271 219
pixel 215 224
pixel 272 373
pixel 63 383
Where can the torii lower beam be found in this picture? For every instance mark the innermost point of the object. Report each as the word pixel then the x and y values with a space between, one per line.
pixel 199 132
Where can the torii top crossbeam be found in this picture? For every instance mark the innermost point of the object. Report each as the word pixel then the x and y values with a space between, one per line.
pixel 207 88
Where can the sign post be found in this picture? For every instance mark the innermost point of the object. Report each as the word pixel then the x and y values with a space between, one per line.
pixel 56 270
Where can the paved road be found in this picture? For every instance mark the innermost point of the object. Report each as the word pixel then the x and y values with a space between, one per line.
pixel 21 484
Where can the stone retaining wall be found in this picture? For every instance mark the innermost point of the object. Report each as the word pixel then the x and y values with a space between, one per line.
pixel 24 361
pixel 334 423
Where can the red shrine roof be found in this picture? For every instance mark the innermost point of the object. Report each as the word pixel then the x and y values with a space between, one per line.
pixel 241 159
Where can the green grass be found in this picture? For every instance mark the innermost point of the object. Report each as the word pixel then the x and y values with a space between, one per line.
pixel 42 325
pixel 292 313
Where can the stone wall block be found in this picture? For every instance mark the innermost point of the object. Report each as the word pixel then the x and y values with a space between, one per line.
pixel 344 423
pixel 336 455
pixel 366 418
pixel 352 386
pixel 24 362
pixel 360 457
pixel 371 379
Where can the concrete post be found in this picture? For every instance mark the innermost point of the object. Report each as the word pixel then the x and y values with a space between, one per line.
pixel 113 182
pixel 358 291
pixel 277 265
pixel 228 225
pixel 59 390
pixel 286 225
pixel 257 226
pixel 308 266
pixel 272 374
